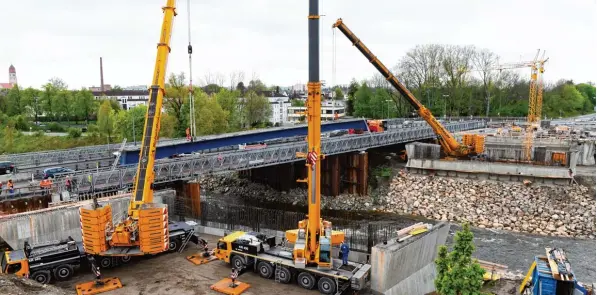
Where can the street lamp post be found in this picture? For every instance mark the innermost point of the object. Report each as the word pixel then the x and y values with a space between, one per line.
pixel 388 105
pixel 445 103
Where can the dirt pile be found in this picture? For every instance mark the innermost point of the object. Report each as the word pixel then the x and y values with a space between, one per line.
pixel 545 210
pixel 11 285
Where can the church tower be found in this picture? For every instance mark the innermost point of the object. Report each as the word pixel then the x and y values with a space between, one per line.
pixel 12 75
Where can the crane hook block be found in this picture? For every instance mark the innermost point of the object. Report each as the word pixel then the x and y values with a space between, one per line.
pixel 190 49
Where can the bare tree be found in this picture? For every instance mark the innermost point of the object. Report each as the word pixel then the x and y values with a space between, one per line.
pixel 208 78
pixel 235 78
pixel 456 65
pixel 485 61
pixel 219 79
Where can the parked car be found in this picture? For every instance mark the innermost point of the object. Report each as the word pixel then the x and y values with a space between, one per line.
pixel 51 172
pixel 6 167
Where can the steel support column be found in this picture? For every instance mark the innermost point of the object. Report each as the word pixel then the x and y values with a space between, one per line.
pixel 363 173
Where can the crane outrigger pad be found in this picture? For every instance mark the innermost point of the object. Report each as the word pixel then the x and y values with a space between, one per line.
pixel 225 286
pixel 90 288
pixel 199 259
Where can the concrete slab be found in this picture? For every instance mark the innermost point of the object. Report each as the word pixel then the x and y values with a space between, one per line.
pixel 407 268
pixel 60 222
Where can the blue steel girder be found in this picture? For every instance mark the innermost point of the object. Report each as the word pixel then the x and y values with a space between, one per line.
pixel 193 166
pixel 131 156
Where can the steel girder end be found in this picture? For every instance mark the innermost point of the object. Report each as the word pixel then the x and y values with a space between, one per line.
pixel 226 286
pixel 97 287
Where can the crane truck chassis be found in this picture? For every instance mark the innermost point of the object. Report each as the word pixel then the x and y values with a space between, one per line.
pixel 246 250
pixel 58 260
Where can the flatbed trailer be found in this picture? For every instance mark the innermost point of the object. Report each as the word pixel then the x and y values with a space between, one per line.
pixel 259 252
pixel 58 260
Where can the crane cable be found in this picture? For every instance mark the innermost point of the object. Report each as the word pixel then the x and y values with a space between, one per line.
pixel 333 58
pixel 192 124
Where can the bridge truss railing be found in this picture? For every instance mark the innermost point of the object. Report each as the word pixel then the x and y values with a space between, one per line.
pixel 193 166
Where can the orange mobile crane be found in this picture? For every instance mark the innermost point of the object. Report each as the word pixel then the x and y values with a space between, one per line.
pixel 145 230
pixel 450 145
pixel 310 259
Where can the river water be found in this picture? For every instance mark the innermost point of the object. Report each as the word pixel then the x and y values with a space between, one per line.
pixel 517 251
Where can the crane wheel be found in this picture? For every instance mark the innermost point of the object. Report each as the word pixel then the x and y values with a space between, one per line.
pixel 42 276
pixel 326 286
pixel 125 259
pixel 306 280
pixel 237 262
pixel 284 276
pixel 105 262
pixel 173 245
pixel 63 272
pixel 265 269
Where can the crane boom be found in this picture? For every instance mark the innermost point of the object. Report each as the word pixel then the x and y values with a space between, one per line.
pixel 449 144
pixel 143 184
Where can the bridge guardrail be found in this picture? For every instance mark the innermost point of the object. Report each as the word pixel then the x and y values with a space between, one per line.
pixel 192 166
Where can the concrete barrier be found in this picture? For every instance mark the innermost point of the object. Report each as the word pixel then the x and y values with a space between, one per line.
pixel 60 222
pixel 492 170
pixel 407 268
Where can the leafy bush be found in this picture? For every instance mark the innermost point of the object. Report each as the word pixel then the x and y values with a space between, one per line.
pixel 457 272
pixel 55 127
pixel 21 123
pixel 74 132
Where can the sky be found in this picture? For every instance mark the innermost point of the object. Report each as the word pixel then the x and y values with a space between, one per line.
pixel 267 39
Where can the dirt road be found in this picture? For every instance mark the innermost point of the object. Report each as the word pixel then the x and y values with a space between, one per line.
pixel 173 274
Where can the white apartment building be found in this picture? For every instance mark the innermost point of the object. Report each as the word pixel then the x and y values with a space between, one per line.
pixel 280 107
pixel 127 98
pixel 330 110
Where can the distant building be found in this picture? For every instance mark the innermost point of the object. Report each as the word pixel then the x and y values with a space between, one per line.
pixel 12 78
pixel 330 110
pixel 107 87
pixel 127 98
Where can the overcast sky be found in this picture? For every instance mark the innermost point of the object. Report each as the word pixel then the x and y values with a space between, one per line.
pixel 65 38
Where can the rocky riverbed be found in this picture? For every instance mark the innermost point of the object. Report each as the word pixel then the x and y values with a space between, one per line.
pixel 544 210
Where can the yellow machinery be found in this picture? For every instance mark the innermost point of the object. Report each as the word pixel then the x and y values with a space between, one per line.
pixel 535 102
pixel 450 145
pixel 145 228
pixel 313 230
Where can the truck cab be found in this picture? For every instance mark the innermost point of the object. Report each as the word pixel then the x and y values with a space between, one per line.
pixel 14 262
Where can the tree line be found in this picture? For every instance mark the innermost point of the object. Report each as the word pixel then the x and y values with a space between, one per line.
pixel 464 81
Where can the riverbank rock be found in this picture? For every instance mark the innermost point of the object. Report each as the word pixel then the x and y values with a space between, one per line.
pixel 567 211
pixel 546 210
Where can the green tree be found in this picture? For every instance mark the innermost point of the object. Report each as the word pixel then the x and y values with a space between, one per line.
pixel 30 102
pixel 177 93
pixel 256 86
pixel 352 90
pixel 132 120
pixel 382 105
pixel 229 101
pixel 62 106
pixel 257 109
pixel 168 126
pixel 297 103
pixel 14 101
pixel 209 115
pixel 362 101
pixel 106 118
pixel 84 104
pixel 588 91
pixel 457 272
pixel 338 94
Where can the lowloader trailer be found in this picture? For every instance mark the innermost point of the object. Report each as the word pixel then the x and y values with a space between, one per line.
pixel 257 251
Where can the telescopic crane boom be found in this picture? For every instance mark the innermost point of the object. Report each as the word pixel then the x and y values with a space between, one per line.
pixel 449 144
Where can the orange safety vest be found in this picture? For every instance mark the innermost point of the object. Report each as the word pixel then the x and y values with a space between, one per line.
pixel 46 183
pixel 10 185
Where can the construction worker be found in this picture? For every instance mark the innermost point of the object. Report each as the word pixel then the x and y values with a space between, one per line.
pixel 344 250
pixel 10 186
pixel 67 184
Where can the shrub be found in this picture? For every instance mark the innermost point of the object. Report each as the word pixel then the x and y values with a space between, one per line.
pixel 74 132
pixel 55 127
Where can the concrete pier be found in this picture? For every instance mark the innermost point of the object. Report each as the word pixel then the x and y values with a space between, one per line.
pixel 59 222
pixel 409 267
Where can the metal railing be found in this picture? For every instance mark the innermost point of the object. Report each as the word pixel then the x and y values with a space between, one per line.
pixel 193 166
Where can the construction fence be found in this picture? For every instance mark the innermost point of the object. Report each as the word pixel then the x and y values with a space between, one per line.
pixel 361 235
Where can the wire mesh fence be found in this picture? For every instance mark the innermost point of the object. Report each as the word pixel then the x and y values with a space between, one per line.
pixel 361 235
